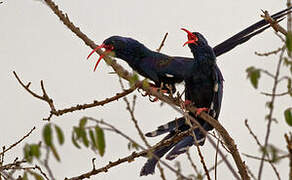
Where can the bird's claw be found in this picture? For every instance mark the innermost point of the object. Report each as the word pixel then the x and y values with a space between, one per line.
pixel 153 99
pixel 142 93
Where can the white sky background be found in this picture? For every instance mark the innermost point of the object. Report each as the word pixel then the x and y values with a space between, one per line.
pixel 38 46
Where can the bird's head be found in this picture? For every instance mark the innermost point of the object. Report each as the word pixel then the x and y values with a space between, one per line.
pixel 195 39
pixel 116 46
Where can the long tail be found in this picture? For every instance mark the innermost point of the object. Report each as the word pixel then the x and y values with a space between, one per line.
pixel 172 127
pixel 248 33
pixel 149 166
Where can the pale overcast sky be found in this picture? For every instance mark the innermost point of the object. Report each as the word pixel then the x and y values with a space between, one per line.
pixel 38 46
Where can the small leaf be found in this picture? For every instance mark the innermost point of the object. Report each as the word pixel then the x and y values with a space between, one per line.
pixel 73 138
pixel 289 41
pixel 134 79
pixel 35 150
pixel 93 140
pixel 27 153
pixel 84 137
pixel 55 153
pixel 132 145
pixel 60 134
pixel 100 140
pixel 288 116
pixel 145 83
pixel 24 177
pixel 253 74
pixel 36 176
pixel 77 131
pixel 82 122
pixel 47 135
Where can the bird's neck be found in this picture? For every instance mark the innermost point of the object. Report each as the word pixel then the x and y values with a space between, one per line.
pixel 204 54
pixel 133 55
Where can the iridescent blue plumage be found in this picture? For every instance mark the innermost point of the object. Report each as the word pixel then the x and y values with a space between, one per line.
pixel 199 89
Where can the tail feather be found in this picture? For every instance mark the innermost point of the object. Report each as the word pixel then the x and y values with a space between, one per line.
pixel 168 127
pixel 247 33
pixel 149 166
pixel 182 146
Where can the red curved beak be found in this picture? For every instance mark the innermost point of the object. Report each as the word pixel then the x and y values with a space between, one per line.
pixel 191 37
pixel 99 47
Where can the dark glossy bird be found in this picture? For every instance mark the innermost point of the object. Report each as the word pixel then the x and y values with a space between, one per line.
pixel 203 89
pixel 161 68
pixel 158 67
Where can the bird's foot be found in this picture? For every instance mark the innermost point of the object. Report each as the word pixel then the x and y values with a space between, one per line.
pixel 200 110
pixel 187 102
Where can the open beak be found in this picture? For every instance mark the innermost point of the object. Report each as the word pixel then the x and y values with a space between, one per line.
pixel 108 49
pixel 192 39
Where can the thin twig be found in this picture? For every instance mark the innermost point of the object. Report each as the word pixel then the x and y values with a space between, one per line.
pixel 270 53
pixel 192 162
pixel 270 115
pixel 60 112
pixel 289 147
pixel 280 94
pixel 162 42
pixel 19 141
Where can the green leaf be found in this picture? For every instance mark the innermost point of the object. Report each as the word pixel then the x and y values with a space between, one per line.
pixel 36 176
pixel 82 122
pixel 60 134
pixel 35 150
pixel 27 153
pixel 134 79
pixel 77 131
pixel 289 41
pixel 73 138
pixel 24 177
pixel 47 135
pixel 132 145
pixel 55 153
pixel 254 75
pixel 84 137
pixel 93 140
pixel 288 116
pixel 100 140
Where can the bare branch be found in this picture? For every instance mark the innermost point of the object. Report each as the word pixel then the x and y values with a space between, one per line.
pixel 274 24
pixel 289 147
pixel 19 141
pixel 270 115
pixel 271 52
pixel 162 42
pixel 60 112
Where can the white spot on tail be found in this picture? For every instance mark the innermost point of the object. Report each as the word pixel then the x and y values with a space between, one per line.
pixel 184 149
pixel 201 140
pixel 153 133
pixel 216 87
pixel 165 126
pixel 212 106
pixel 169 75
